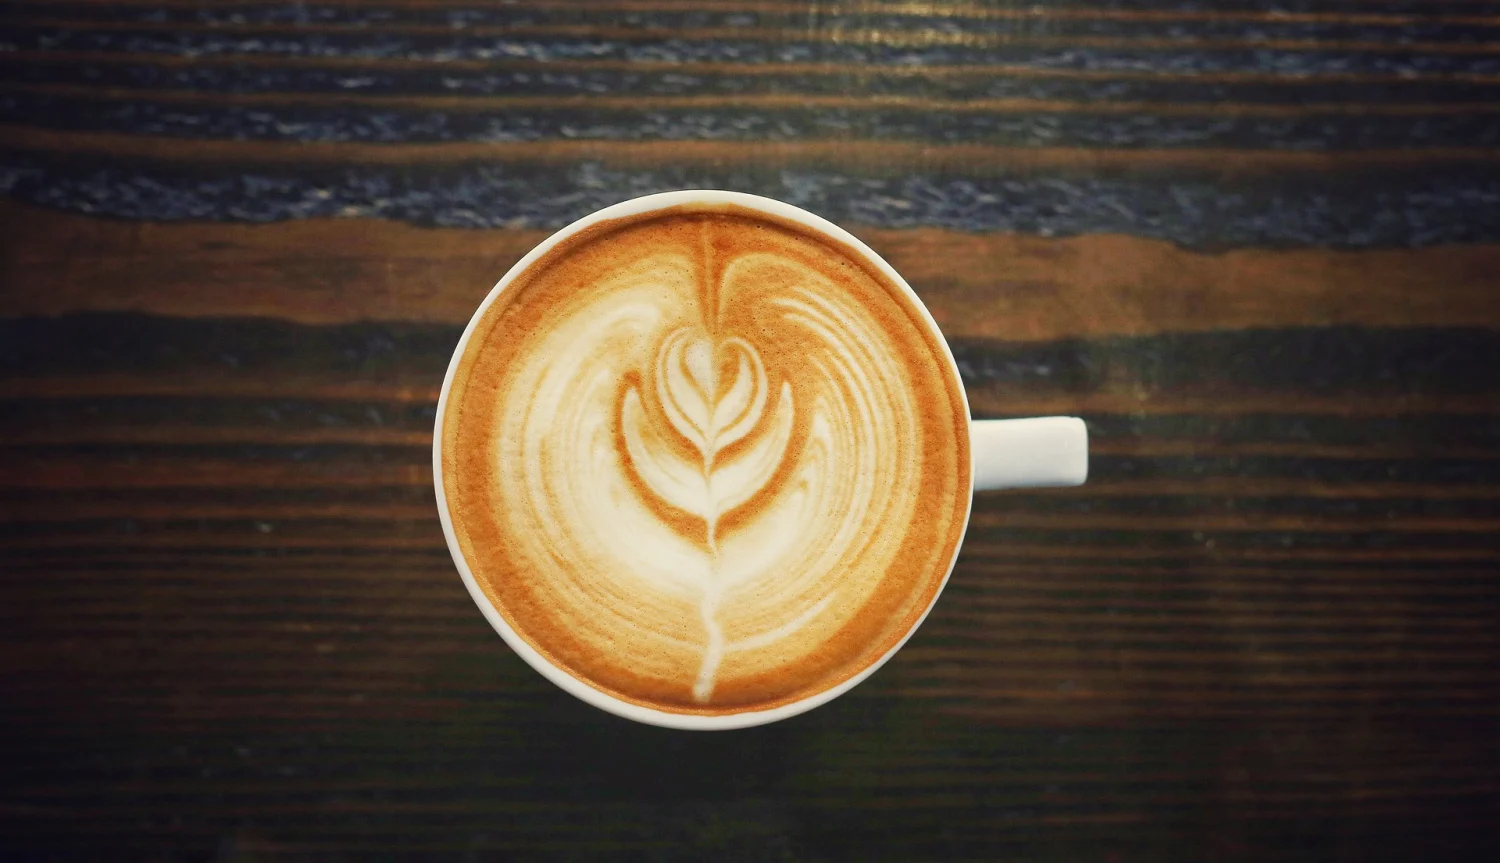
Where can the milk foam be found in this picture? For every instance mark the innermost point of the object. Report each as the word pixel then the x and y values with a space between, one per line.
pixel 703 463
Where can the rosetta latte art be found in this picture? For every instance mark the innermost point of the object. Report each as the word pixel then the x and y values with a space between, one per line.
pixel 705 467
pixel 706 487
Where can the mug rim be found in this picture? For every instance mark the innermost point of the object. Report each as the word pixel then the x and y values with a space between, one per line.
pixel 576 686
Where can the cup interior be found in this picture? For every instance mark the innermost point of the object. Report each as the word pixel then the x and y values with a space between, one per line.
pixel 536 660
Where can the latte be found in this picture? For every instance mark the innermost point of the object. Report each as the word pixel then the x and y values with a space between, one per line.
pixel 705 460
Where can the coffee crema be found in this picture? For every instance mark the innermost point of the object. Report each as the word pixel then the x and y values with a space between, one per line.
pixel 706 460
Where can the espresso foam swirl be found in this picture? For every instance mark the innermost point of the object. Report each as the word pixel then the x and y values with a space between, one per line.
pixel 708 464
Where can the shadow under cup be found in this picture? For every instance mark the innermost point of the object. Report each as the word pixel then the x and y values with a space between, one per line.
pixel 702 459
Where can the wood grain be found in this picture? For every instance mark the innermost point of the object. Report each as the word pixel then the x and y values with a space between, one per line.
pixel 765 102
pixel 1014 288
pixel 1267 85
pixel 977 159
pixel 1257 250
pixel 1045 12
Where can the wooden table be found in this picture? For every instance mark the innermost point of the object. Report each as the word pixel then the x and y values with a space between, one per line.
pixel 1258 249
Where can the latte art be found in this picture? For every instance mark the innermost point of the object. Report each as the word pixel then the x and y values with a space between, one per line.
pixel 705 486
pixel 703 462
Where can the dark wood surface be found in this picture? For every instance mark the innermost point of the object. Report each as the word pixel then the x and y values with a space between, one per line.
pixel 1256 245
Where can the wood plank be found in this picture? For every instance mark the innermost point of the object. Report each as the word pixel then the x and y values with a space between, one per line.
pixel 160 508
pixel 192 436
pixel 1207 199
pixel 1017 121
pixel 422 387
pixel 100 474
pixel 958 8
pixel 846 71
pixel 952 11
pixel 931 37
pixel 1033 289
pixel 1340 545
pixel 977 159
pixel 769 102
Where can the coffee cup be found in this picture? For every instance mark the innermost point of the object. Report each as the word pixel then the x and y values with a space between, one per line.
pixel 704 460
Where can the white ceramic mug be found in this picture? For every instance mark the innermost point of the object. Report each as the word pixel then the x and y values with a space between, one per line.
pixel 1019 453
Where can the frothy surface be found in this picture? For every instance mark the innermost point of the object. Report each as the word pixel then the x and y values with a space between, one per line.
pixel 705 460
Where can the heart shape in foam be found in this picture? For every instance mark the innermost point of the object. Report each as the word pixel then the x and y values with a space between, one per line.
pixel 713 394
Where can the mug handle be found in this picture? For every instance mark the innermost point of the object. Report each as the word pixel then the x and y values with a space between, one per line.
pixel 1029 453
